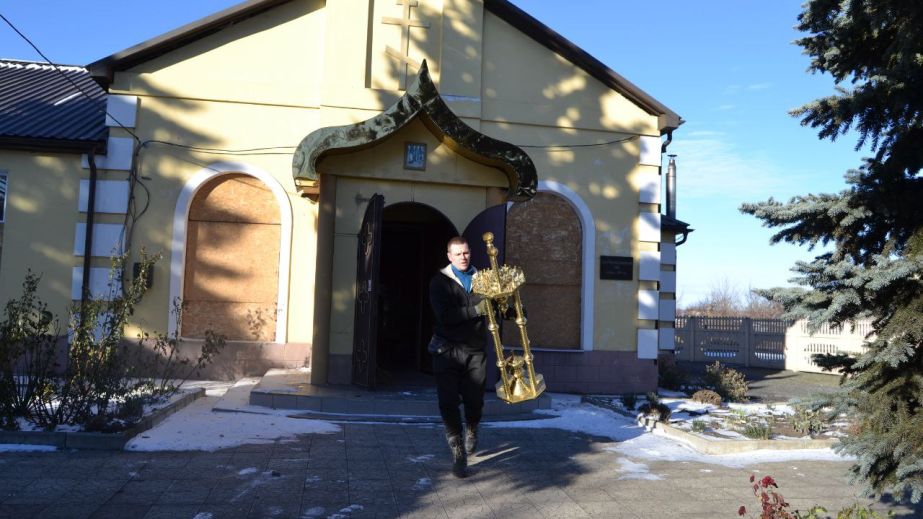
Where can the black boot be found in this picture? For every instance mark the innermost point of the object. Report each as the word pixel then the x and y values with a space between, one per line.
pixel 459 458
pixel 471 439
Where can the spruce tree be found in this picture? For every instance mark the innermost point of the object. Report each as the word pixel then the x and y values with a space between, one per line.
pixel 874 51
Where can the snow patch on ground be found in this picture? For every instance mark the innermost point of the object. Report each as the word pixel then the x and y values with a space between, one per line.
pixel 15 447
pixel 633 470
pixel 345 512
pixel 656 446
pixel 569 414
pixel 314 512
pixel 197 427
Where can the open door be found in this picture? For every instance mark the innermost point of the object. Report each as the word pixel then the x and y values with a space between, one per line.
pixel 492 219
pixel 368 268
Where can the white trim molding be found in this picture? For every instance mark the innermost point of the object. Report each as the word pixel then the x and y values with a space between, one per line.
pixel 648 304
pixel 588 225
pixel 647 343
pixel 649 266
pixel 108 239
pixel 666 339
pixel 181 219
pixel 650 150
pixel 101 286
pixel 119 155
pixel 121 110
pixel 649 227
pixel 668 253
pixel 649 187
pixel 111 196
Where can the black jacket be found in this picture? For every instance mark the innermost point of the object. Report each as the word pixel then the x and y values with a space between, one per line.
pixel 456 319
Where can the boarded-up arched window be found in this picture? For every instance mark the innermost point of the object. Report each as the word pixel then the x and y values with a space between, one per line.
pixel 544 237
pixel 231 278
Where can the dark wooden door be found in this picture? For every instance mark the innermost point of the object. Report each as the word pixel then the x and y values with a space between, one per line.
pixel 492 219
pixel 368 268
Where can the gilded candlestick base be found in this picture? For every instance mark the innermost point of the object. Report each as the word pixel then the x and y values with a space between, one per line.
pixel 518 387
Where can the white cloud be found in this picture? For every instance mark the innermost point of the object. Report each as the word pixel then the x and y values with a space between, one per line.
pixel 759 86
pixel 726 107
pixel 705 133
pixel 713 167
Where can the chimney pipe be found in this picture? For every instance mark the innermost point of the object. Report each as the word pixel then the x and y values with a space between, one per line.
pixel 671 187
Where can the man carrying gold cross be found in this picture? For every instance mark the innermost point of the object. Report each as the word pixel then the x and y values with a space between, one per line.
pixel 459 351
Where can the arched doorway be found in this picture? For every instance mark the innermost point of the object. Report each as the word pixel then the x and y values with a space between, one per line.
pixel 231 271
pixel 413 242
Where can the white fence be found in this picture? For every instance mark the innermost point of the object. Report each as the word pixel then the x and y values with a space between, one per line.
pixel 763 343
pixel 800 345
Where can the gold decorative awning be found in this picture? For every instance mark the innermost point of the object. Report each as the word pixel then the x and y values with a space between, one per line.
pixel 423 100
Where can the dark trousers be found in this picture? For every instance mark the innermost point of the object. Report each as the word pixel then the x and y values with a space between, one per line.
pixel 460 378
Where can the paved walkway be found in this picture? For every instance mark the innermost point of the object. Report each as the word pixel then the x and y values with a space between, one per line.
pixel 386 471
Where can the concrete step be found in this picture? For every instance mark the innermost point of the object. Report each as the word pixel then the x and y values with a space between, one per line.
pixel 289 389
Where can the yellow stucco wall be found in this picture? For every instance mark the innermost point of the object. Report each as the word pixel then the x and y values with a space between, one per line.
pixel 271 79
pixel 41 211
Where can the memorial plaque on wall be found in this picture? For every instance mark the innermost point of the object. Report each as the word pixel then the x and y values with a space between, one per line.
pixel 616 267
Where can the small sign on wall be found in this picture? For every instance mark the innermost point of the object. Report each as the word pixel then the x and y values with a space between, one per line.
pixel 616 267
pixel 415 156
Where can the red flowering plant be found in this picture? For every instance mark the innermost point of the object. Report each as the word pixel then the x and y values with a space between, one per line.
pixel 772 504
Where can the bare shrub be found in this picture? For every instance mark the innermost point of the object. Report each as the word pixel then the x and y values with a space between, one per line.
pixel 729 383
pixel 707 396
pixel 28 335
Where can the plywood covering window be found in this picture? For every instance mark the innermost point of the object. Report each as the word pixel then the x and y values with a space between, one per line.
pixel 543 236
pixel 231 275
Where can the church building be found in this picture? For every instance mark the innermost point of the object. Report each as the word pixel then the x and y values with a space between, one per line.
pixel 301 164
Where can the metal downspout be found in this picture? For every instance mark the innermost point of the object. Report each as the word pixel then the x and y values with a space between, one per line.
pixel 88 238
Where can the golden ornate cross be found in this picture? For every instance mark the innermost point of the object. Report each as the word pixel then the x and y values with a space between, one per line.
pixel 403 55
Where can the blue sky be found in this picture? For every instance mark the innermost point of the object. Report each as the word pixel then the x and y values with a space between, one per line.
pixel 728 67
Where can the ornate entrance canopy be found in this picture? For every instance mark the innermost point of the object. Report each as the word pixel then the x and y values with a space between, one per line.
pixel 420 99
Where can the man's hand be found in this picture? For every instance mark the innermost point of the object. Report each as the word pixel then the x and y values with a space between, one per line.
pixel 482 307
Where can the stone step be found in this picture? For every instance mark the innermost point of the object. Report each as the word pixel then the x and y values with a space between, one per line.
pixel 289 389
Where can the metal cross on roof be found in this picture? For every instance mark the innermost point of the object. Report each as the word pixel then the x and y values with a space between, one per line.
pixel 403 55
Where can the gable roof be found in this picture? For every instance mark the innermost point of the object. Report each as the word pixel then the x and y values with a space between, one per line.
pixel 41 110
pixel 102 70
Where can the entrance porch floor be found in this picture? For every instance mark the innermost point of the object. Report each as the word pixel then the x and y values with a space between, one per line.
pixel 290 389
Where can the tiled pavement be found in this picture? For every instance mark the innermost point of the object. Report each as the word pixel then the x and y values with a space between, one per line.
pixel 386 471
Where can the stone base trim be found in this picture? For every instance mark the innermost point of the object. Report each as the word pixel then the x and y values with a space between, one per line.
pixel 567 371
pixel 595 372
pixel 249 359
pixel 706 446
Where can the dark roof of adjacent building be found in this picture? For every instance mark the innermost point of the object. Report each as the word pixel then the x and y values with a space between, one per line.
pixel 668 120
pixel 41 109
